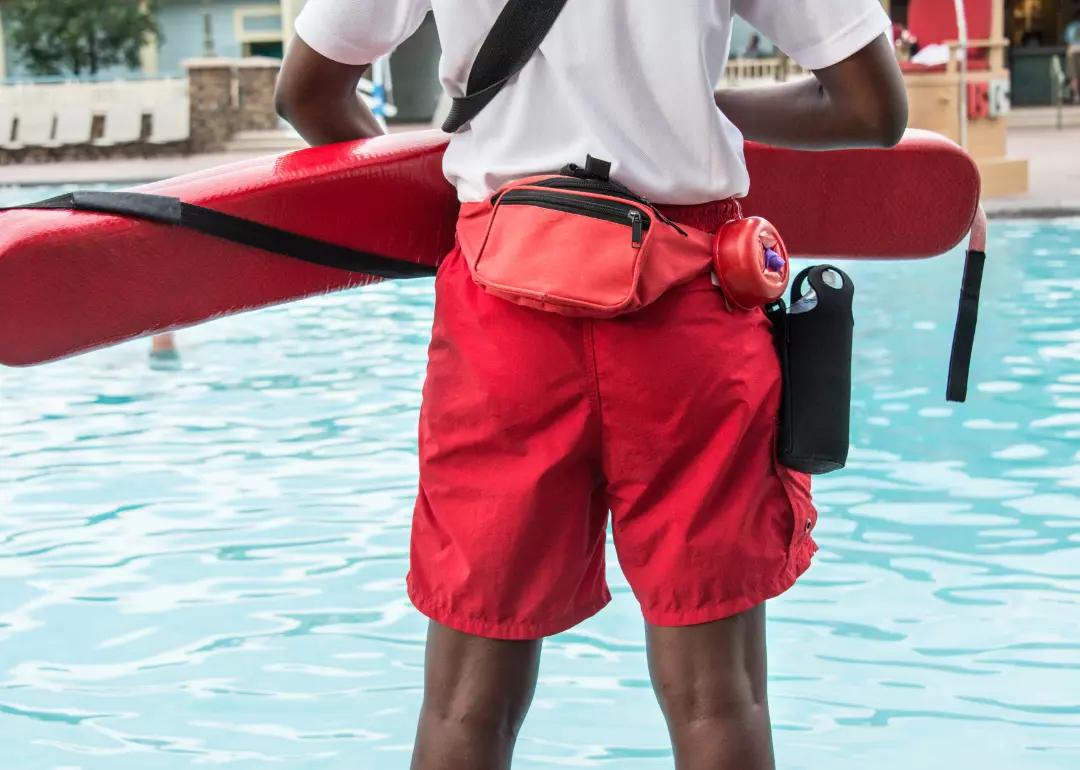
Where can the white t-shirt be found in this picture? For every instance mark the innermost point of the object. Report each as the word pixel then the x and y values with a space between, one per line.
pixel 628 81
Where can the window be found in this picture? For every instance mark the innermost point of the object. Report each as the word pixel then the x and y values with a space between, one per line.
pixel 259 30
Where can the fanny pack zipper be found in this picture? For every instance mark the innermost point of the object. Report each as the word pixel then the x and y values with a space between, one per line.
pixel 622 214
pixel 609 187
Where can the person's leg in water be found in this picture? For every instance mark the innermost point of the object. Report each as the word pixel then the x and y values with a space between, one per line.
pixel 476 694
pixel 163 346
pixel 710 681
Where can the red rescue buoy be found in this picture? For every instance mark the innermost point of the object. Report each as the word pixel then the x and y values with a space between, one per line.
pixel 751 262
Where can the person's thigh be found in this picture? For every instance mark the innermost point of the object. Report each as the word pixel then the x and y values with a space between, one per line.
pixel 710 680
pixel 509 527
pixel 706 522
pixel 476 694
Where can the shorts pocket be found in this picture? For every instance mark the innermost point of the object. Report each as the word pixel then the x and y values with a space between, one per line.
pixel 797 489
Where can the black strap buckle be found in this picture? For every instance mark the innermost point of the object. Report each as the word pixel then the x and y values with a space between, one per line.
pixel 599 170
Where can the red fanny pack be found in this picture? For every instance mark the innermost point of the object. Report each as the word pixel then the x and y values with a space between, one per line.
pixel 580 244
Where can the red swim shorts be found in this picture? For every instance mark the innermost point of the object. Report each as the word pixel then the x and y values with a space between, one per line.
pixel 535 425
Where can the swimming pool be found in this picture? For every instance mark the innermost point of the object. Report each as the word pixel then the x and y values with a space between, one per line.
pixel 206 564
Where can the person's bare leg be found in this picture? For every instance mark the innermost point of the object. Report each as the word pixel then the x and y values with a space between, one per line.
pixel 476 694
pixel 711 683
pixel 163 345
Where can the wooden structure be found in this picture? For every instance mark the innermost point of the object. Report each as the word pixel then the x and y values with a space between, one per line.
pixel 979 88
pixel 745 72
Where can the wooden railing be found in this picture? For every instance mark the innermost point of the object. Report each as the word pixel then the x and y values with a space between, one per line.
pixel 750 71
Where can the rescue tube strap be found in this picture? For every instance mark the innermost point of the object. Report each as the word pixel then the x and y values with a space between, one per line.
pixel 967 317
pixel 166 210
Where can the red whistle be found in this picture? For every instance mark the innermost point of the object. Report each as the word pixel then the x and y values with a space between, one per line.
pixel 751 262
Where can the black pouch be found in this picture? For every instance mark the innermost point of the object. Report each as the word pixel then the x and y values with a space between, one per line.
pixel 814 342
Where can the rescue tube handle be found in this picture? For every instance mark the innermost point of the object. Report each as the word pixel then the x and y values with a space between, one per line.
pixel 967 314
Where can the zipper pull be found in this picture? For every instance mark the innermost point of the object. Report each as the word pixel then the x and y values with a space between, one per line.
pixel 637 222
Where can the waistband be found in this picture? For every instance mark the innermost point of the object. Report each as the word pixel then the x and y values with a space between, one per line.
pixel 704 216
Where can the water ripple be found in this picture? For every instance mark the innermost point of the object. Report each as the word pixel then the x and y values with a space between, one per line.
pixel 205 564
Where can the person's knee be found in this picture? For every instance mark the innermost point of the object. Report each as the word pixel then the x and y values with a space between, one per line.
pixel 461 735
pixel 733 698
pixel 478 686
pixel 711 672
pixel 496 719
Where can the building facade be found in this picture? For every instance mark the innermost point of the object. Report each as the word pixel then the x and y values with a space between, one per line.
pixel 195 28
pixel 236 28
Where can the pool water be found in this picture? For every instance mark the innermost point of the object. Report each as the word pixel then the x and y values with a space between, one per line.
pixel 205 564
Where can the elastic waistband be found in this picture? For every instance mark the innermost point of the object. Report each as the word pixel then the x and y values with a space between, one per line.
pixel 704 216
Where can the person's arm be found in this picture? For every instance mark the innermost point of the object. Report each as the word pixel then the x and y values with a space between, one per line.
pixel 859 102
pixel 318 97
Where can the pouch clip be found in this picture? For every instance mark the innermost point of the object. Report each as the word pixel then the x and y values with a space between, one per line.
pixel 594 169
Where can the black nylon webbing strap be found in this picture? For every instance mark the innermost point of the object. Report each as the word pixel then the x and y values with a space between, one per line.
pixel 153 208
pixel 172 211
pixel 967 317
pixel 517 34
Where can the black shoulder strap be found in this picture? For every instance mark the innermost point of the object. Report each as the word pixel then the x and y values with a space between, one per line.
pixel 517 34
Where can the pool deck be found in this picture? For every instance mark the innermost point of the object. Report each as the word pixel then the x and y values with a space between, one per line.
pixel 1054 158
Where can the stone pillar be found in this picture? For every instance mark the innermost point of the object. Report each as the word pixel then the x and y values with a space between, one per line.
pixel 256 77
pixel 213 103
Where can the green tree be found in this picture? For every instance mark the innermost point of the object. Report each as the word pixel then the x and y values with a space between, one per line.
pixel 79 37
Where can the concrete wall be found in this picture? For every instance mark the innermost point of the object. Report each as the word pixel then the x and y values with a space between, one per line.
pixel 218 98
pixel 147 96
